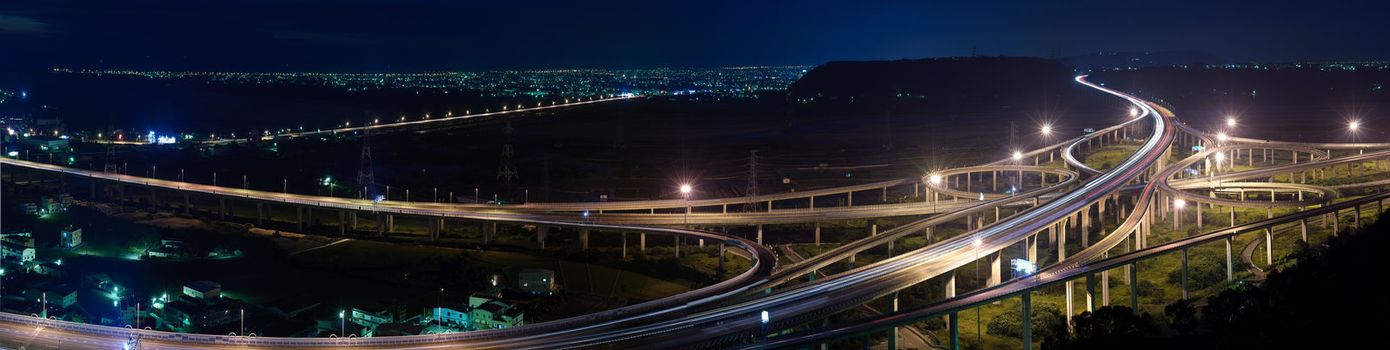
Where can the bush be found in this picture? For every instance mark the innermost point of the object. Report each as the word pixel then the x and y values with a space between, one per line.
pixel 1202 272
pixel 1149 289
pixel 1008 323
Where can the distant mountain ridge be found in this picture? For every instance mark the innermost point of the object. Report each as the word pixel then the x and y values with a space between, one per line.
pixel 951 78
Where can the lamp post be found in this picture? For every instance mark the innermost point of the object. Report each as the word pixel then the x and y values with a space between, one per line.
pixel 685 194
pixel 342 322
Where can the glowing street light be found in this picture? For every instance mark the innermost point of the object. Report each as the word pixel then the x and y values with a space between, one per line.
pixel 1353 125
pixel 1230 121
pixel 1133 112
pixel 1222 137
pixel 934 179
pixel 1047 129
pixel 685 195
pixel 1018 156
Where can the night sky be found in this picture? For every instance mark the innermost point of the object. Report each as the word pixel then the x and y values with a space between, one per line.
pixel 403 35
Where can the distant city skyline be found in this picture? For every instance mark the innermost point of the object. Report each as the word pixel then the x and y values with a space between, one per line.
pixel 411 36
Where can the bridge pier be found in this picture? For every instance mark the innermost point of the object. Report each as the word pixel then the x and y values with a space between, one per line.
pixel 1069 307
pixel 489 229
pixel 721 257
pixel 817 235
pixel 1184 274
pixel 1027 319
pixel 1269 246
pixel 995 269
pixel 1091 292
pixel 154 198
pixel 221 208
pixel 299 218
pixel 642 242
pixel 260 213
pixel 893 331
pixel 1032 249
pixel 584 240
pixel 342 222
pixel 540 235
pixel 1303 228
pixel 187 204
pixel 953 322
pixel 1105 285
pixel 1230 268
pixel 1133 288
pixel 760 233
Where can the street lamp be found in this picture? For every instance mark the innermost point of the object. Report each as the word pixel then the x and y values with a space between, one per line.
pixel 1230 121
pixel 685 194
pixel 1133 112
pixel 1047 129
pixel 342 322
pixel 1222 137
pixel 1220 159
pixel 1353 125
pixel 1018 156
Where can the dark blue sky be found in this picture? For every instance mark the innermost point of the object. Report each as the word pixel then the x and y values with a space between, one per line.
pixel 405 35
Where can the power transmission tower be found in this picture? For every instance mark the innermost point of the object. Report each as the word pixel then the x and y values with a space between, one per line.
pixel 506 173
pixel 752 191
pixel 366 178
pixel 1013 136
pixel 110 166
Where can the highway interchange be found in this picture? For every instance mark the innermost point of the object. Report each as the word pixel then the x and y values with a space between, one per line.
pixel 729 314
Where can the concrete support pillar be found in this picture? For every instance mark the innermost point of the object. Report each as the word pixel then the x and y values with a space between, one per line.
pixel 1184 273
pixel 1027 319
pixel 342 223
pixel 953 321
pixel 187 203
pixel 1356 217
pixel 1303 229
pixel 1134 287
pixel 299 218
pixel 540 236
pixel 390 223
pixel 1230 266
pixel 1091 293
pixel 1032 254
pixel 760 233
pixel 817 233
pixel 489 230
pixel 721 252
pixel 1105 286
pixel 221 208
pixel 995 269
pixel 642 242
pixel 584 240
pixel 260 213
pixel 154 198
pixel 1269 246
pixel 893 331
pixel 1068 304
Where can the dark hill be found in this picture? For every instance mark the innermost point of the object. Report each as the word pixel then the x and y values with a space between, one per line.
pixel 992 79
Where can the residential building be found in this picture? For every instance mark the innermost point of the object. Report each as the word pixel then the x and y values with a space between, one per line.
pixel 203 289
